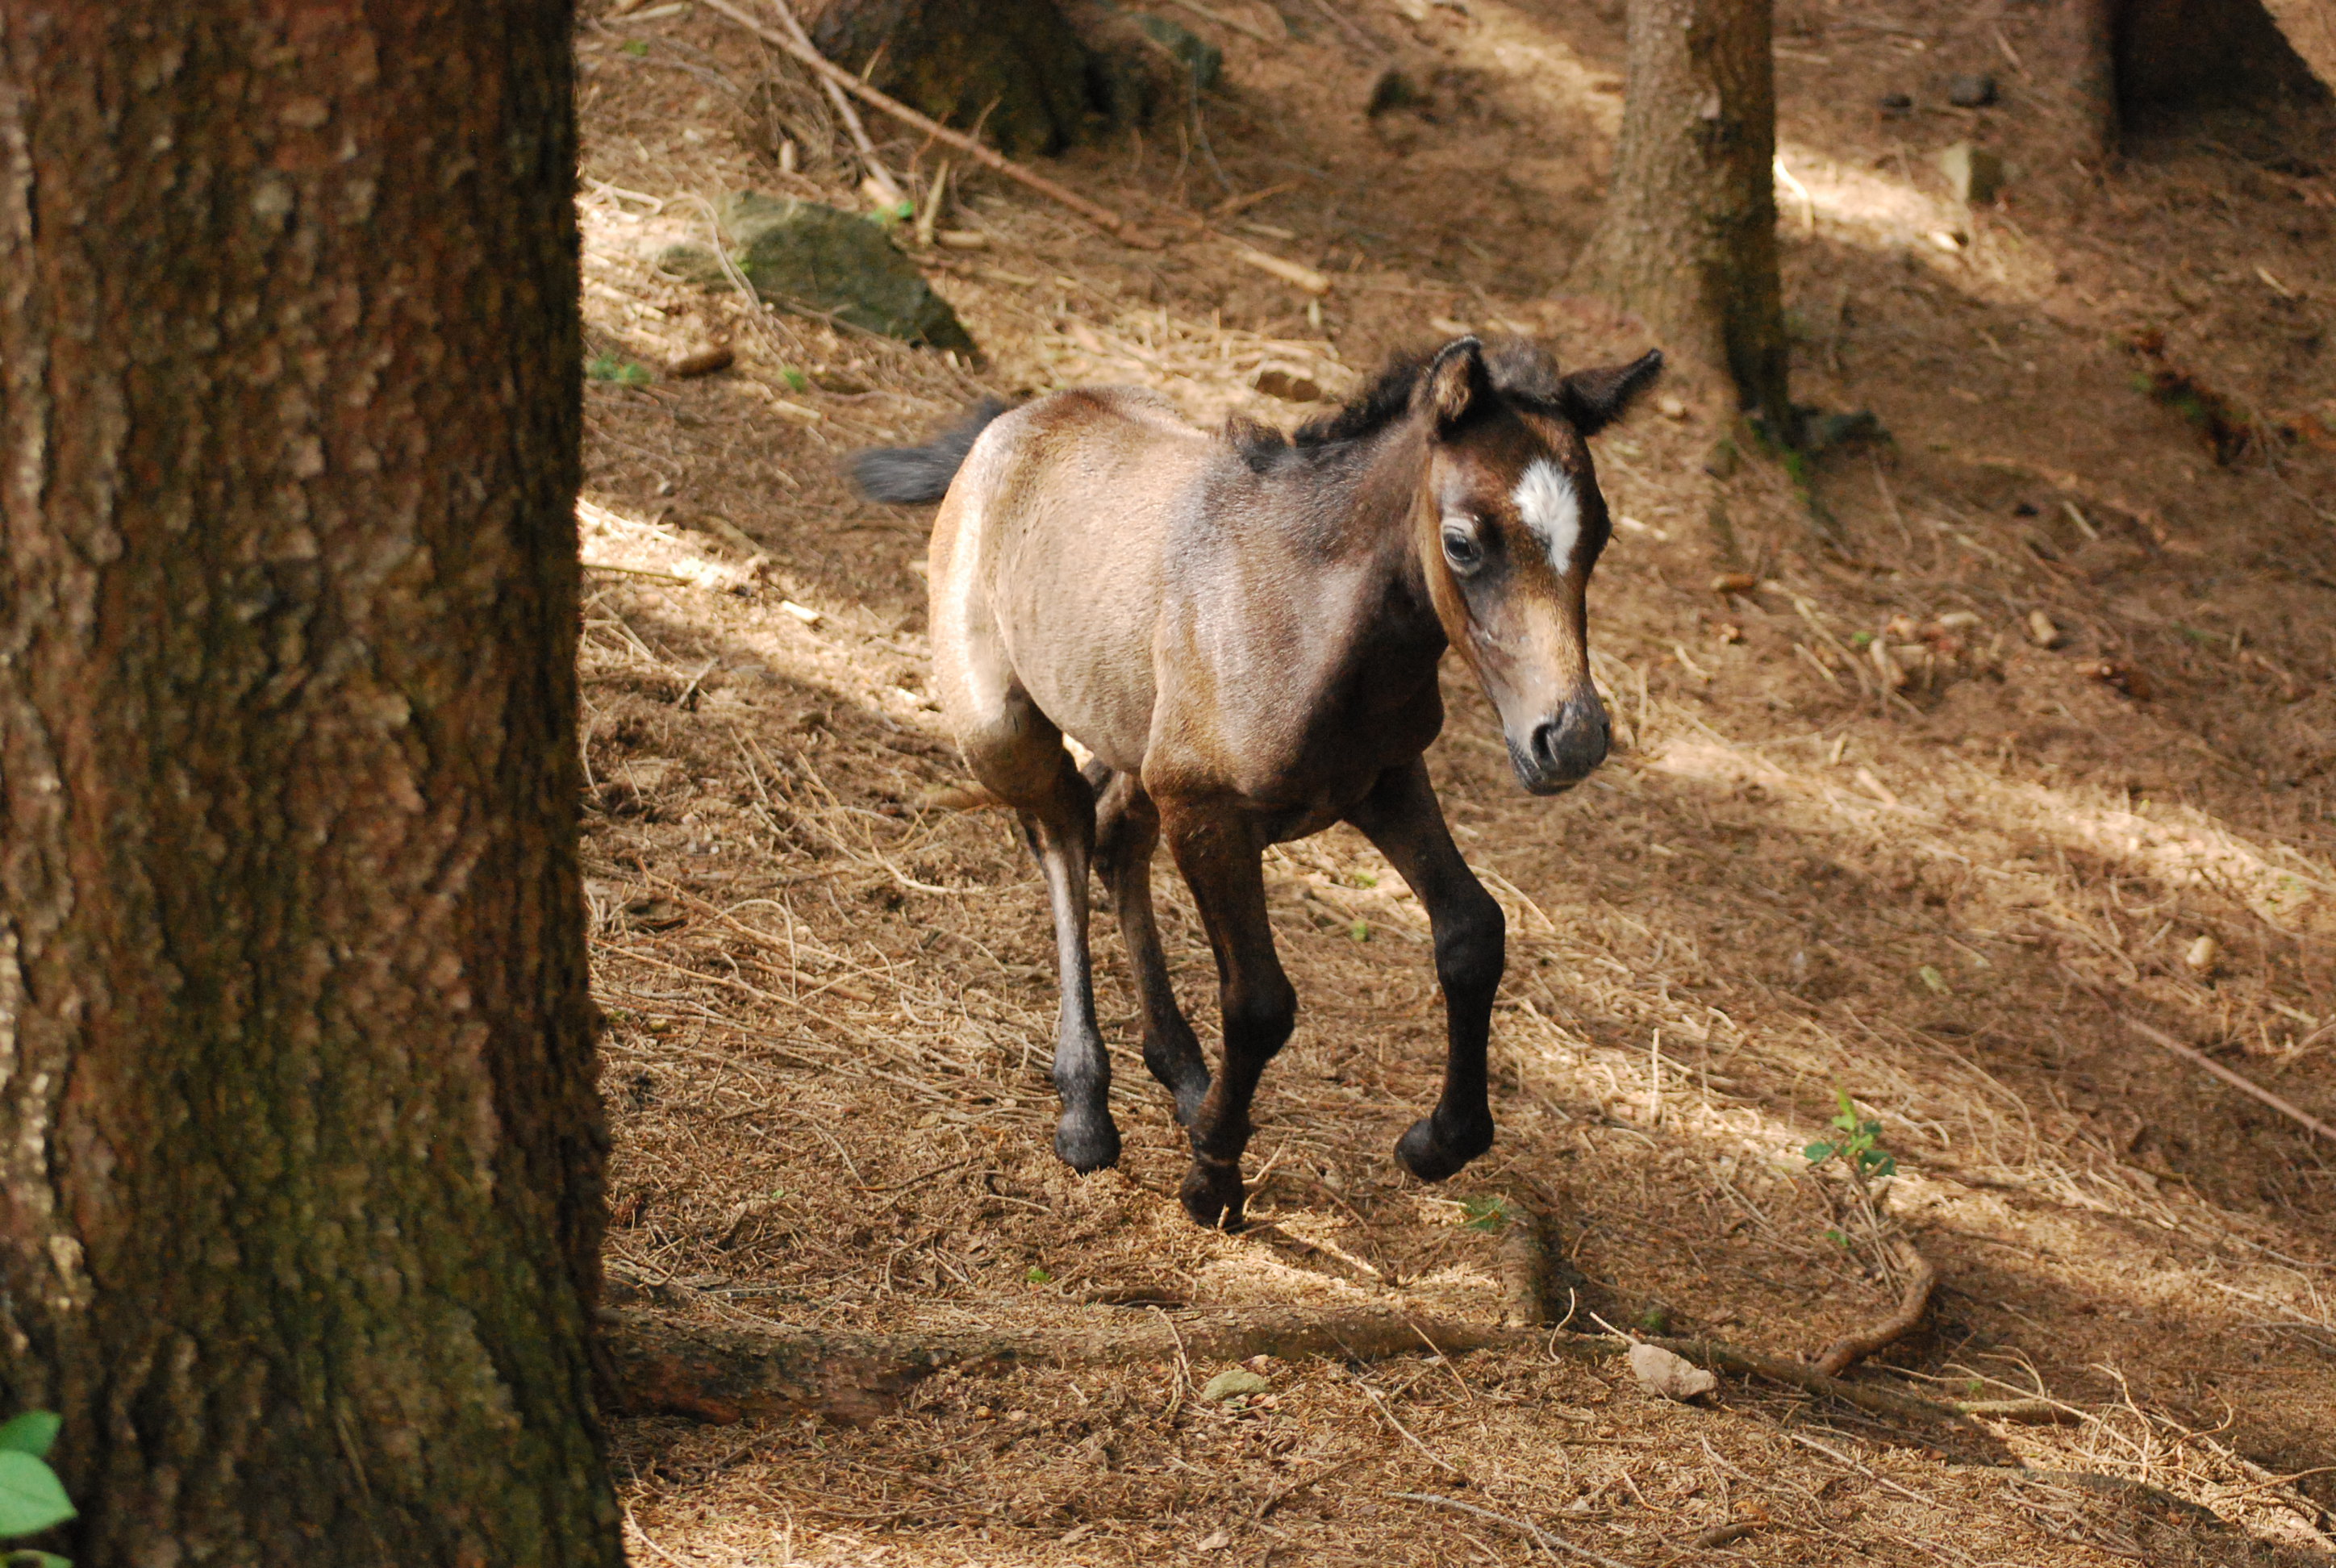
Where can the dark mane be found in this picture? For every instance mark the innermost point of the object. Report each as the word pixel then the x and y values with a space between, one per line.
pixel 1522 370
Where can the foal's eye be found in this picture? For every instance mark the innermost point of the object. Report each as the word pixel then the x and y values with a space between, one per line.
pixel 1462 549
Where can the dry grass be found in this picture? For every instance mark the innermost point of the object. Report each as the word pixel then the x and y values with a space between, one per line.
pixel 832 1010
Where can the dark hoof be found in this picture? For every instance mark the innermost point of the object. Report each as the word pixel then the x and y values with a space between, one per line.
pixel 1085 1144
pixel 1213 1195
pixel 1433 1153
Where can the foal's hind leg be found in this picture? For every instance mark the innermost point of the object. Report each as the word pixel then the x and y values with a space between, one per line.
pixel 1127 829
pixel 1020 754
pixel 1217 854
pixel 1401 818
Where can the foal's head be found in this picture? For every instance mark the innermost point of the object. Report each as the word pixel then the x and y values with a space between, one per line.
pixel 1509 524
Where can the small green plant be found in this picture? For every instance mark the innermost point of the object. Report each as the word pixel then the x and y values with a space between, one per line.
pixel 1859 1146
pixel 1037 1275
pixel 31 1498
pixel 636 48
pixel 620 372
pixel 1861 640
pixel 1365 879
pixel 795 379
pixel 1360 930
pixel 1488 1213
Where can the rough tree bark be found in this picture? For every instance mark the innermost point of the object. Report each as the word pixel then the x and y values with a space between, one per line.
pixel 1015 66
pixel 300 1160
pixel 1687 238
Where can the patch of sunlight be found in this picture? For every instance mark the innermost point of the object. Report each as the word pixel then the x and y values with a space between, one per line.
pixel 1866 206
pixel 2186 848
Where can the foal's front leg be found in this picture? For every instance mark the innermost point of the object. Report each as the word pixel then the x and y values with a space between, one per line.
pixel 1217 854
pixel 1401 817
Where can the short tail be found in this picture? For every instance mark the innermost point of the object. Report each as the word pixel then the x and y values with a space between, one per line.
pixel 907 476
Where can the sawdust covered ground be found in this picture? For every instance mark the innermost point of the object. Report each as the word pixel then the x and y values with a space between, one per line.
pixel 832 1005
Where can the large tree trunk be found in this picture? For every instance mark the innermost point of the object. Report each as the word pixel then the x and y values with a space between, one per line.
pixel 301 1160
pixel 1689 236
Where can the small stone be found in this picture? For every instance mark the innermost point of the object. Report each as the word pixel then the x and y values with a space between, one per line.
pixel 1971 92
pixel 1231 1381
pixel 2041 631
pixel 1672 1376
pixel 1289 386
pixel 1975 173
pixel 703 361
pixel 1670 407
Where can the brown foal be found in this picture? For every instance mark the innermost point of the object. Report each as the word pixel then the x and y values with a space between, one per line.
pixel 1243 630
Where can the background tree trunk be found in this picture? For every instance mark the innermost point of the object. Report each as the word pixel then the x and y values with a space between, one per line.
pixel 1689 237
pixel 1014 66
pixel 300 1159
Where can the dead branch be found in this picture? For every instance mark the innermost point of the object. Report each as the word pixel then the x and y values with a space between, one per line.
pixel 1101 217
pixel 2246 1085
pixel 1723 1358
pixel 1851 1349
pixel 888 190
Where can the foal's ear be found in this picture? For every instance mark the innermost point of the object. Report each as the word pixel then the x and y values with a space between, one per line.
pixel 1454 380
pixel 1595 399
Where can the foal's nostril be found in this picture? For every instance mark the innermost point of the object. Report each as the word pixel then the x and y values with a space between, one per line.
pixel 1572 743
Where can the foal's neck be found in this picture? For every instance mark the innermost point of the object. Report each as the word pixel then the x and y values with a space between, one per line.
pixel 1386 503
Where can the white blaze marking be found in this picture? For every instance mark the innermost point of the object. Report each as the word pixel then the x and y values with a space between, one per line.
pixel 1546 500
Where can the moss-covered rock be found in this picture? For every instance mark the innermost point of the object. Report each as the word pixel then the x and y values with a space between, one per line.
pixel 803 255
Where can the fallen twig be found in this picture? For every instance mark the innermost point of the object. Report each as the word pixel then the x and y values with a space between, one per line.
pixel 1532 1532
pixel 1221 20
pixel 1404 1432
pixel 2246 1085
pixel 888 189
pixel 1103 216
pixel 1851 1349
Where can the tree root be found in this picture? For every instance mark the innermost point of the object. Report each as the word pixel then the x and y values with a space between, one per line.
pixel 725 1375
pixel 1851 1349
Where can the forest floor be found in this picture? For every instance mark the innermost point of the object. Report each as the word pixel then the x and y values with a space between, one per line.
pixel 832 1001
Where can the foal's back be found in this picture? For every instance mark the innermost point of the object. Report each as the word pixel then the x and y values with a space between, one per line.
pixel 1049 561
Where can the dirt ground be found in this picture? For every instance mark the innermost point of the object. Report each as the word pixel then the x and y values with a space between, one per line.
pixel 831 999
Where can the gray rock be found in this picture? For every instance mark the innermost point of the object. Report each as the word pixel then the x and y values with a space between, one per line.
pixel 1972 91
pixel 1975 173
pixel 803 255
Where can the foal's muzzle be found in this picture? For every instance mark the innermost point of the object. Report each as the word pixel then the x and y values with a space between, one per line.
pixel 1564 747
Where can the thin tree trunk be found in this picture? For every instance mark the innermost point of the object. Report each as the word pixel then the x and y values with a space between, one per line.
pixel 1689 237
pixel 2082 41
pixel 301 1160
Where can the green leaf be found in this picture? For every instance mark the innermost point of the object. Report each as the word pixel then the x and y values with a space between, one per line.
pixel 636 48
pixel 1037 1274
pixel 1360 930
pixel 31 1497
pixel 795 379
pixel 32 1433
pixel 1366 880
pixel 1485 1213
pixel 1817 1154
pixel 31 1559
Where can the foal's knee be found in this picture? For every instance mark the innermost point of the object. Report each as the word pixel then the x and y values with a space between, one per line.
pixel 1472 947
